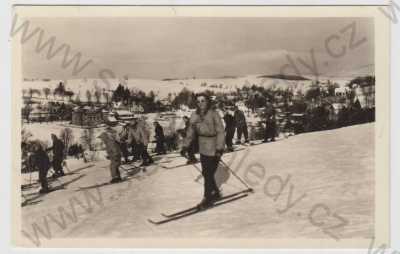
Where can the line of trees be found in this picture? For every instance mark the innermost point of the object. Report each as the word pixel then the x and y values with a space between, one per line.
pixel 60 90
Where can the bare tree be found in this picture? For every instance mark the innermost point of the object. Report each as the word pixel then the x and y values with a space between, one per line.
pixel 34 91
pixel 87 139
pixel 88 96
pixel 46 92
pixel 97 95
pixel 106 95
pixel 67 137
pixel 69 94
pixel 78 98
pixel 30 92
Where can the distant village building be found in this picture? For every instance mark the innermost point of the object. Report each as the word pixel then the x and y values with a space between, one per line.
pixel 166 104
pixel 38 115
pixel 87 116
pixel 324 86
pixel 123 115
pixel 342 91
pixel 137 108
pixel 104 98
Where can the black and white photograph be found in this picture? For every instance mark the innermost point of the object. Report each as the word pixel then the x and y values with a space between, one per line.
pixel 200 126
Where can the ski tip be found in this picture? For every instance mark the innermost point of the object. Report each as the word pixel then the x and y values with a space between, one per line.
pixel 152 222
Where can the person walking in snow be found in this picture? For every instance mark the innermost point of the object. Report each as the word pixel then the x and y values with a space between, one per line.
pixel 113 153
pixel 206 124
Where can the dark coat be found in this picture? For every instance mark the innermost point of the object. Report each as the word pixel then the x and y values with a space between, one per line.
pixel 40 160
pixel 159 132
pixel 270 127
pixel 229 122
pixel 58 149
pixel 240 119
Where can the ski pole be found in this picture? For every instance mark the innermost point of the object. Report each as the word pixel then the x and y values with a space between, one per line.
pixel 197 168
pixel 64 163
pixel 237 177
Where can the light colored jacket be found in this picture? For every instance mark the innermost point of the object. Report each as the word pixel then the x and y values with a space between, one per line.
pixel 123 135
pixel 112 147
pixel 145 127
pixel 210 131
pixel 136 133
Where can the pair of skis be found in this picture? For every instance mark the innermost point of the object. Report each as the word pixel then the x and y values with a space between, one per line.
pixel 195 209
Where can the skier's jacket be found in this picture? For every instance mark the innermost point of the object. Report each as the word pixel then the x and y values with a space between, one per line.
pixel 138 134
pixel 145 128
pixel 209 130
pixel 58 149
pixel 123 135
pixel 40 160
pixel 112 147
pixel 229 122
pixel 240 119
pixel 159 133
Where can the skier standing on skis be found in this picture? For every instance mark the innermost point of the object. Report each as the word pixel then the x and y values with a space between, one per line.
pixel 206 124
pixel 241 126
pixel 40 160
pixel 123 137
pixel 58 155
pixel 160 138
pixel 140 136
pixel 230 130
pixel 192 148
pixel 270 129
pixel 113 152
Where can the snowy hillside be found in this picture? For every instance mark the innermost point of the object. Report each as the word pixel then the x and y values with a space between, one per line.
pixel 163 87
pixel 334 168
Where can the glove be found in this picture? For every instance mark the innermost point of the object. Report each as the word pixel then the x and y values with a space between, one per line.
pixel 184 151
pixel 219 153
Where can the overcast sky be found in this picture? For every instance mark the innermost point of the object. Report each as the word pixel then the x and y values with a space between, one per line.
pixel 179 47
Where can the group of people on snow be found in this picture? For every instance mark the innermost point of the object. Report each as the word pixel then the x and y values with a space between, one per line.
pixel 39 160
pixel 205 132
pixel 135 137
